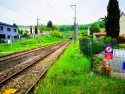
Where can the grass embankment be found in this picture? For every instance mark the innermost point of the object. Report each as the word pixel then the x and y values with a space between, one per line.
pixel 31 43
pixel 71 74
pixel 69 32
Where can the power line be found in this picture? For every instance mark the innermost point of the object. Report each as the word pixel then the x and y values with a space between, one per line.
pixel 24 7
pixel 80 6
pixel 57 8
pixel 16 11
pixel 54 11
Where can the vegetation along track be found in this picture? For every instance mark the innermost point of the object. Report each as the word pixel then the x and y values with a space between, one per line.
pixel 23 81
pixel 9 61
pixel 12 66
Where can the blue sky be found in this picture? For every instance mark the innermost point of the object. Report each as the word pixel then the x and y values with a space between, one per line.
pixel 25 12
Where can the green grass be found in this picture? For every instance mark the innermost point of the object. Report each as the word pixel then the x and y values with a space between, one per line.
pixel 31 43
pixel 102 29
pixel 71 74
pixel 69 32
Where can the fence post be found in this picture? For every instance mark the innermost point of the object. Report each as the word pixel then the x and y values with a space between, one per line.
pixel 86 47
pixel 91 53
pixel 118 43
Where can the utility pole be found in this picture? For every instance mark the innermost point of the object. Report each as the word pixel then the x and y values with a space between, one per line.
pixel 38 31
pixel 74 24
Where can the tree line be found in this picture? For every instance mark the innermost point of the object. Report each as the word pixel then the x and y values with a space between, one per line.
pixel 50 26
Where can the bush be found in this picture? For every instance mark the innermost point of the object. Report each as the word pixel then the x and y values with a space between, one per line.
pixel 100 58
pixel 122 45
pixel 114 41
pixel 56 33
pixel 97 47
pixel 90 36
pixel 106 40
pixel 122 38
pixel 97 62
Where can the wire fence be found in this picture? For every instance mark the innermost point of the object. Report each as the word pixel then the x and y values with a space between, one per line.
pixel 17 39
pixel 91 47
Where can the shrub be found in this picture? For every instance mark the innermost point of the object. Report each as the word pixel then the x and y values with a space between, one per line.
pixel 56 33
pixel 90 36
pixel 100 58
pixel 106 40
pixel 122 38
pixel 97 47
pixel 97 62
pixel 122 45
pixel 114 41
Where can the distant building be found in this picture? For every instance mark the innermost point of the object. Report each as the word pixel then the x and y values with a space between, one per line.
pixel 7 30
pixel 99 35
pixel 122 24
pixel 46 32
pixel 27 28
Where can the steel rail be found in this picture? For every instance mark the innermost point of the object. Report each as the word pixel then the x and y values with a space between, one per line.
pixel 3 81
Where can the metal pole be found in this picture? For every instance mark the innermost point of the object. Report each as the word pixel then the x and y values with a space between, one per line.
pixel 91 53
pixel 63 35
pixel 74 24
pixel 37 31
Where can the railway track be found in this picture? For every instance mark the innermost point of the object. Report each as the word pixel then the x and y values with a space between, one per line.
pixel 18 63
pixel 25 79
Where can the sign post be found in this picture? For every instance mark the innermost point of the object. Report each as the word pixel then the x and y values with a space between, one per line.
pixel 109 52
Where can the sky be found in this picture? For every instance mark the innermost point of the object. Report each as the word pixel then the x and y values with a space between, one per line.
pixel 25 12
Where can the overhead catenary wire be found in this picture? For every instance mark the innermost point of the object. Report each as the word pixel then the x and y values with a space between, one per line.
pixel 54 11
pixel 16 11
pixel 24 7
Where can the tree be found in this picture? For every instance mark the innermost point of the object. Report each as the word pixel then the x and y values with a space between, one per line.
pixel 35 29
pixel 14 25
pixel 41 29
pixel 54 27
pixel 49 24
pixel 112 19
pixel 20 31
pixel 44 27
pixel 94 29
pixel 30 29
pixel 26 32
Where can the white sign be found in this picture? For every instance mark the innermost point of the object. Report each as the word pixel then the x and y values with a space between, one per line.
pixel 9 41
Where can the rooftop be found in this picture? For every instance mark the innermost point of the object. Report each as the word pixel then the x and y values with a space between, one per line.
pixel 1 23
pixel 99 33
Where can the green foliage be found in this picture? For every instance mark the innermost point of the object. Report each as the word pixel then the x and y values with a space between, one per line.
pixel 100 58
pixel 56 33
pixel 71 74
pixel 122 45
pixel 26 32
pixel 54 27
pixel 35 29
pixel 84 32
pixel 20 31
pixel 106 40
pixel 90 36
pixel 112 19
pixel 97 61
pixel 49 24
pixel 14 25
pixel 32 43
pixel 41 29
pixel 94 29
pixel 98 47
pixel 82 45
pixel 30 29
pixel 44 27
